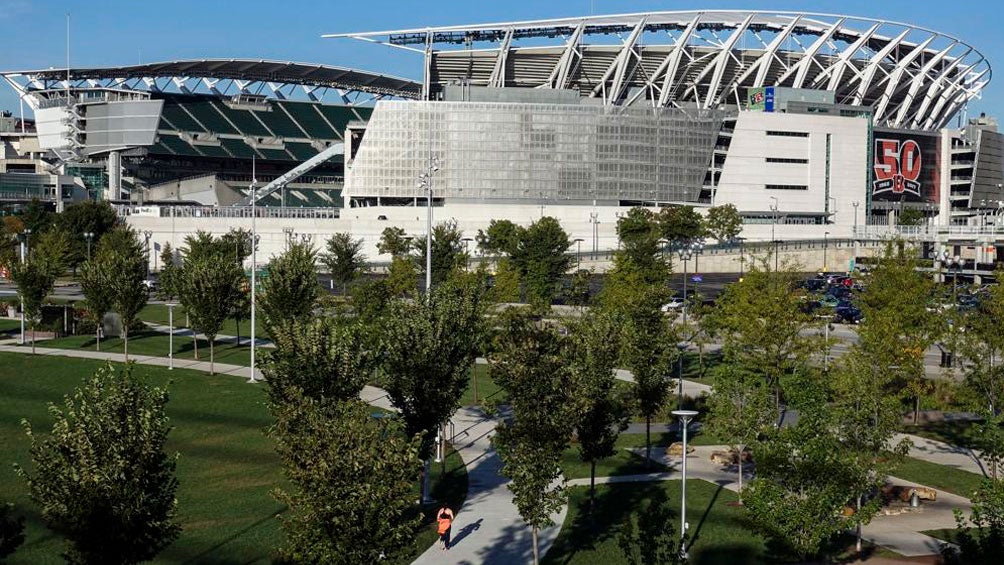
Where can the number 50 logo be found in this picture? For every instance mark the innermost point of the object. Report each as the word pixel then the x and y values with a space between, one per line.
pixel 897 167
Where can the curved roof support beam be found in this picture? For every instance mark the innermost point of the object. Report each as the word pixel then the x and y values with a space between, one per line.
pixel 762 65
pixel 937 85
pixel 940 114
pixel 801 68
pixel 497 78
pixel 618 68
pixel 893 83
pixel 835 72
pixel 570 57
pixel 867 75
pixel 717 68
pixel 918 81
pixel 671 64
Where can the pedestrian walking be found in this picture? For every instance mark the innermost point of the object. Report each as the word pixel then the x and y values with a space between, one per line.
pixel 444 517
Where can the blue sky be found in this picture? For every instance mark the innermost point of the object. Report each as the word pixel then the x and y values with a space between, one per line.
pixel 121 32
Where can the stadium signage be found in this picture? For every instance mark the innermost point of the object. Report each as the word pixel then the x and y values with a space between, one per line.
pixel 897 167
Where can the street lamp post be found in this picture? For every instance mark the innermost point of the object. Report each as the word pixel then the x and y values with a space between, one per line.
pixel 425 182
pixel 467 244
pixel 685 417
pixel 254 265
pixel 826 244
pixel 170 339
pixel 578 253
pixel 594 220
pixel 773 226
pixel 742 256
pixel 855 204
pixel 24 257
pixel 147 234
pixel 89 236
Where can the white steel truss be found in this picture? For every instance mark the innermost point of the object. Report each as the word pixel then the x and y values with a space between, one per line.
pixel 711 58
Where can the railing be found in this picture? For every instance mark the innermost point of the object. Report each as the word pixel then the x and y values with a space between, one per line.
pixel 227 212
pixel 926 231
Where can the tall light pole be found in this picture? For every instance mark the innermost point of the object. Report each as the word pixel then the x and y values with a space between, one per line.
pixel 578 253
pixel 254 261
pixel 826 242
pixel 89 236
pixel 742 256
pixel 24 257
pixel 425 183
pixel 170 339
pixel 686 252
pixel 147 234
pixel 855 204
pixel 467 259
pixel 773 225
pixel 685 417
pixel 594 220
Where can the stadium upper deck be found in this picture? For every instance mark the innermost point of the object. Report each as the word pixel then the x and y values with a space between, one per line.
pixel 911 77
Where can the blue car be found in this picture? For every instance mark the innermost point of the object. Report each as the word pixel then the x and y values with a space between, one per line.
pixel 848 313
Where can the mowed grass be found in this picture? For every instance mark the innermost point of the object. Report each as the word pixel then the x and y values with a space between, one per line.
pixel 8 325
pixel 226 466
pixel 226 469
pixel 156 344
pixel 158 314
pixel 941 477
pixel 622 462
pixel 722 534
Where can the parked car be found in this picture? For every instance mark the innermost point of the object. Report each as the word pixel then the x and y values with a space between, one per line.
pixel 846 312
pixel 150 284
pixel 813 285
pixel 674 304
pixel 829 301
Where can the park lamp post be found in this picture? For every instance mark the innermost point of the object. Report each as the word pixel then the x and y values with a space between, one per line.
pixel 89 236
pixel 425 183
pixel 578 252
pixel 170 339
pixel 147 234
pixel 23 237
pixel 685 417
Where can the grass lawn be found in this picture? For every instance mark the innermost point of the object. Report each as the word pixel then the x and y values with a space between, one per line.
pixel 622 462
pixel 721 533
pixel 955 481
pixel 156 344
pixel 226 467
pixel 158 314
pixel 8 325
pixel 665 439
pixel 954 433
pixel 487 389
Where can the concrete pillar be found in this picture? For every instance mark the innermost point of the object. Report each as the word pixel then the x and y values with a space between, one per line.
pixel 945 177
pixel 114 191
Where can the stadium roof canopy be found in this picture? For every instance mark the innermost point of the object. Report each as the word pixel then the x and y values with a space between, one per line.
pixel 910 76
pixel 221 76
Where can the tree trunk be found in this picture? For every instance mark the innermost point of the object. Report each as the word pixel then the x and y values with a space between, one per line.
pixel 125 342
pixel 195 338
pixel 212 356
pixel 474 378
pixel 237 323
pixel 916 409
pixel 741 448
pixel 442 442
pixel 32 328
pixel 592 489
pixel 536 552
pixel 857 544
pixel 648 441
pixel 97 337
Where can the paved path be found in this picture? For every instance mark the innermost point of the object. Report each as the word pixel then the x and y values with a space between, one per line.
pixel 186 332
pixel 962 458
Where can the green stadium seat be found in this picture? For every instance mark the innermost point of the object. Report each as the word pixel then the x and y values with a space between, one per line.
pixel 178 146
pixel 244 120
pixel 279 123
pixel 338 116
pixel 309 119
pixel 238 148
pixel 213 151
pixel 274 154
pixel 177 118
pixel 301 151
pixel 205 111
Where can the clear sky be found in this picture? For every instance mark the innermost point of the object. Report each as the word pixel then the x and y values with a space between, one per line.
pixel 122 32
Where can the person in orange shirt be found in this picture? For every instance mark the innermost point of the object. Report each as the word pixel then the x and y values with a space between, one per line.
pixel 444 517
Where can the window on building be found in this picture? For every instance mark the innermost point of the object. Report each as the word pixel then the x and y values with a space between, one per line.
pixel 786 187
pixel 787 160
pixel 775 133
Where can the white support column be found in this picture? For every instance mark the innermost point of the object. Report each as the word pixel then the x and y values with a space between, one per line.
pixel 951 95
pixel 762 65
pixel 868 73
pixel 721 62
pixel 936 87
pixel 497 78
pixel 801 68
pixel 617 70
pixel 892 85
pixel 671 64
pixel 919 81
pixel 945 175
pixel 569 57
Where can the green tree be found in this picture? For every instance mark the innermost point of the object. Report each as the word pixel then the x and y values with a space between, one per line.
pixel 980 540
pixel 97 291
pixel 351 478
pixel 289 293
pixel 36 276
pixel 762 326
pixel 125 275
pixel 448 252
pixel 639 233
pixel 681 225
pixel 371 299
pixel 505 289
pixel 428 351
pixel 236 244
pixel 897 328
pixel 577 292
pixel 542 258
pixel 344 259
pixel 805 477
pixel 599 413
pixel 910 217
pixel 321 359
pixel 648 536
pixel 167 280
pixel 724 222
pixel 209 289
pixel 530 366
pixel 38 217
pixel 740 411
pixel 11 530
pixel 394 241
pixel 101 478
pixel 79 218
pixel 402 277
pixel 501 238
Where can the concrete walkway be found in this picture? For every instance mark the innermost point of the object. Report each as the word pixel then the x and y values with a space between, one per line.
pixel 941 453
pixel 186 332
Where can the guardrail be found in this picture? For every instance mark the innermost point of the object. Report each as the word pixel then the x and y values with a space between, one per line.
pixel 927 232
pixel 226 212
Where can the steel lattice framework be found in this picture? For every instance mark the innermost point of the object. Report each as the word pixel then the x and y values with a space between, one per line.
pixel 910 76
pixel 222 77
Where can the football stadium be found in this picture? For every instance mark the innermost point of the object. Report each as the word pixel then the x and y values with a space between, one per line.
pixel 810 124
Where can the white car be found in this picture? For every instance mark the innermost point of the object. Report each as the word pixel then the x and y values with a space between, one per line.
pixel 674 304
